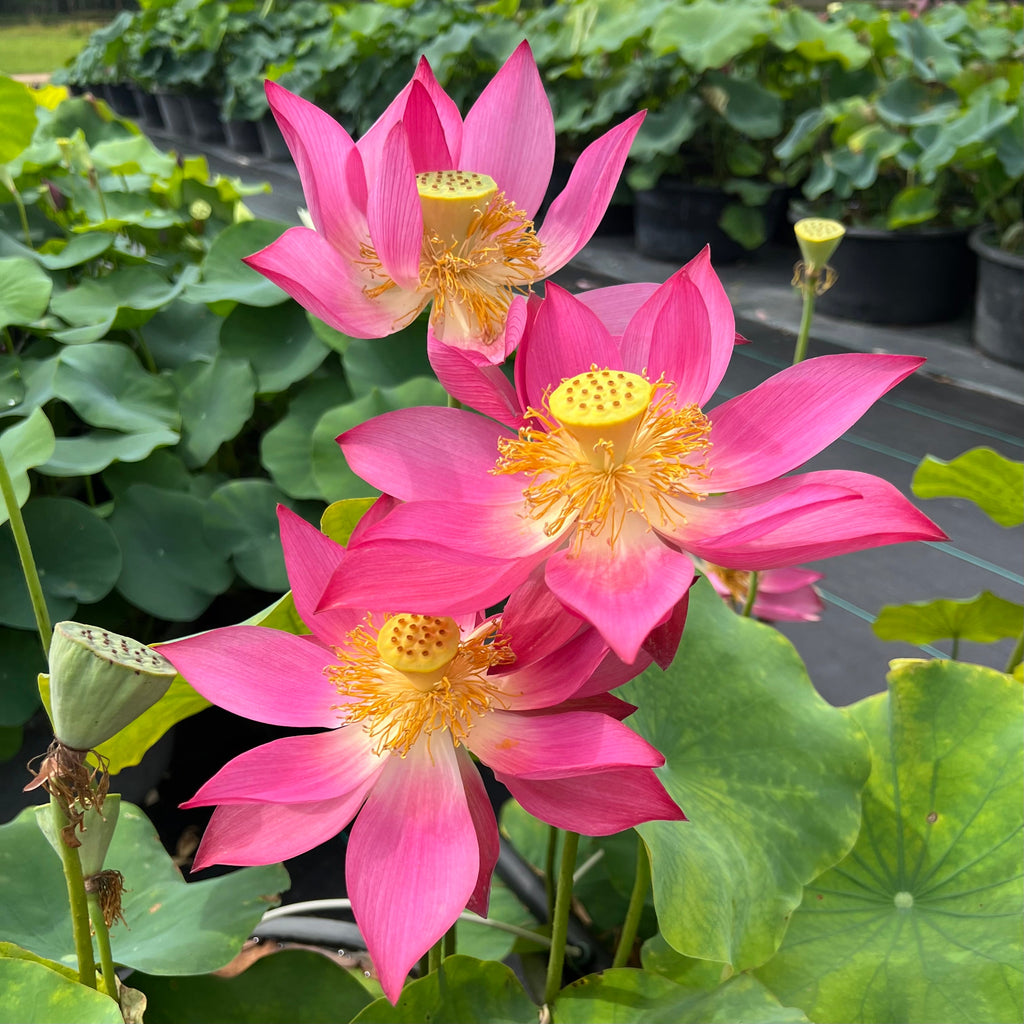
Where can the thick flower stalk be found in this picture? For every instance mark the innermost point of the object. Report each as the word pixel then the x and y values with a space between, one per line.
pixel 430 209
pixel 604 467
pixel 403 698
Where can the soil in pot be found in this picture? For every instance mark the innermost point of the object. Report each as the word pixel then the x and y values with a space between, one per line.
pixel 900 277
pixel 999 300
pixel 675 220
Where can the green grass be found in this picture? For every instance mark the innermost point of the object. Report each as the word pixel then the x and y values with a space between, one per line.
pixel 38 47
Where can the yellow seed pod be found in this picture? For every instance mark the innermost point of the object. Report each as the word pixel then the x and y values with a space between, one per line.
pixel 818 238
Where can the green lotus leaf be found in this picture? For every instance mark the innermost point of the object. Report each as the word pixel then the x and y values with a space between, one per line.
pixel 87 334
pixel 31 991
pixel 62 254
pixel 294 985
pixel 384 362
pixel 182 332
pixel 768 774
pixel 471 990
pixel 24 291
pixel 76 553
pixel 24 446
pixel 169 569
pixel 132 155
pixel 12 386
pixel 106 385
pixel 993 482
pixel 342 517
pixel 278 342
pixel 707 34
pixel 819 41
pixel 286 449
pixel 623 996
pixel 95 451
pixel 241 518
pixel 922 921
pixel 130 293
pixel 982 619
pixel 162 469
pixel 21 660
pixel 18 123
pixel 173 927
pixel 226 278
pixel 216 401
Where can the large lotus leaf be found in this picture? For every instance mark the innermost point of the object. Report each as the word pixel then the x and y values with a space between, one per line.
pixel 12 386
pixel 279 343
pixel 992 481
pixel 18 121
pixel 31 992
pixel 745 105
pixel 241 518
pixel 768 774
pixel 932 57
pixel 62 254
pixel 24 446
pixel 169 569
pixel 707 34
pixel 226 277
pixel 286 449
pixel 216 401
pixel 922 921
pixel 93 452
pixel 76 554
pixel 21 659
pixel 623 996
pixel 342 517
pixel 131 294
pixel 818 40
pixel 106 385
pixel 470 991
pixel 384 362
pixel 132 155
pixel 182 332
pixel 162 469
pixel 294 985
pixel 173 927
pixel 330 470
pixel 24 291
pixel 983 619
pixel 94 119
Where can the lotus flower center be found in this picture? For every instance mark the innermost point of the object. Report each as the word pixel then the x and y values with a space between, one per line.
pixel 452 201
pixel 601 408
pixel 418 644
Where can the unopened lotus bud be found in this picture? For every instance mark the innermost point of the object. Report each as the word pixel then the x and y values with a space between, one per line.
pixel 818 238
pixel 93 836
pixel 100 682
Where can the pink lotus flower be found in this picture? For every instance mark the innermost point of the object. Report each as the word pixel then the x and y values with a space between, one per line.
pixel 604 467
pixel 428 208
pixel 783 595
pixel 403 698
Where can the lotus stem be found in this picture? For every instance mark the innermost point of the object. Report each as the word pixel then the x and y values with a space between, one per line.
pixel 1017 656
pixel 549 871
pixel 748 604
pixel 99 926
pixel 560 920
pixel 77 900
pixel 807 290
pixel 637 898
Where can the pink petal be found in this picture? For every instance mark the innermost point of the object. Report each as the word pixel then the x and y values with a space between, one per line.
pixel 483 387
pixel 329 168
pixel 564 339
pixel 603 703
pixel 573 216
pixel 617 304
pixel 662 642
pixel 558 744
pixel 262 674
pixel 394 212
pixel 785 581
pixel 882 516
pixel 596 805
pixel 510 133
pixel 624 592
pixel 427 143
pixel 297 769
pixel 408 453
pixel 778 426
pixel 720 316
pixel 311 559
pixel 555 678
pixel 486 830
pixel 249 834
pixel 536 620
pixel 331 287
pixel 413 859
pixel 804 605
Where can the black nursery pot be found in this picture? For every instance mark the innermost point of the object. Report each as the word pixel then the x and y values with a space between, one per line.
pixel 121 99
pixel 999 303
pixel 149 109
pixel 242 136
pixel 900 277
pixel 675 220
pixel 173 113
pixel 204 119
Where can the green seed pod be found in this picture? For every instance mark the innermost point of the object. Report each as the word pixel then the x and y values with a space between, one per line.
pixel 97 829
pixel 818 238
pixel 99 682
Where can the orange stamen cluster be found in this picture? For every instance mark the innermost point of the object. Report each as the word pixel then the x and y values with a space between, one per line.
pixel 398 704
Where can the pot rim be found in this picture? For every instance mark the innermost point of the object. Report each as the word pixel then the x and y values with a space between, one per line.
pixel 980 242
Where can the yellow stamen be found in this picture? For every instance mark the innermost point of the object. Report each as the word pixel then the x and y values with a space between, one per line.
pixel 398 705
pixel 736 581
pixel 595 467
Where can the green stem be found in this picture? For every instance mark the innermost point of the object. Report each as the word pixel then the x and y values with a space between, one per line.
pixel 77 902
pixel 560 921
pixel 23 217
pixel 453 402
pixel 956 649
pixel 99 926
pixel 28 563
pixel 1017 656
pixel 147 356
pixel 449 940
pixel 805 321
pixel 637 898
pixel 748 604
pixel 435 955
pixel 549 870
